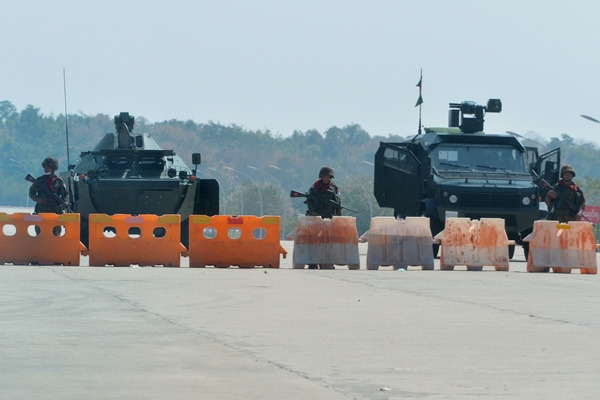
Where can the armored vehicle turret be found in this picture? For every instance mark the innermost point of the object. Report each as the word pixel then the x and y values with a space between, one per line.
pixel 460 171
pixel 129 173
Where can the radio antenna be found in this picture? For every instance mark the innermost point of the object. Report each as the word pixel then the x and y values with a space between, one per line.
pixel 66 119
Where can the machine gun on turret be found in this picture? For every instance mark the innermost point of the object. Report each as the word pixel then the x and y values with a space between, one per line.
pixel 468 116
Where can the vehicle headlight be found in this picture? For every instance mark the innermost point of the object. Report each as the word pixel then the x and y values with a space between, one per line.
pixel 453 198
pixel 526 201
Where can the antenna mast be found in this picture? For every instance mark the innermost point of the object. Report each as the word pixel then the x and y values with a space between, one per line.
pixel 66 119
pixel 420 99
pixel 419 103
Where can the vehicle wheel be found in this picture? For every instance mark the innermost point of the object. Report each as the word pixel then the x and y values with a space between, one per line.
pixel 84 232
pixel 436 227
pixel 436 249
pixel 526 250
pixel 185 233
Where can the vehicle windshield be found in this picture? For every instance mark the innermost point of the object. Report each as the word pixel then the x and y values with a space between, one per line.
pixel 482 158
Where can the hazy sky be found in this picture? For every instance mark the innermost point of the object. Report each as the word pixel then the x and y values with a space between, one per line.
pixel 308 64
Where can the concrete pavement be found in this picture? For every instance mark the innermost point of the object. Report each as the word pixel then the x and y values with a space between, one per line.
pixel 181 333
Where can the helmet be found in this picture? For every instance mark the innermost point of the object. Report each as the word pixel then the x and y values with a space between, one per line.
pixel 567 168
pixel 51 162
pixel 326 171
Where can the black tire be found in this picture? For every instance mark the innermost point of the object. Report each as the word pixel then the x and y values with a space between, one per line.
pixel 84 232
pixel 436 250
pixel 185 233
pixel 436 227
pixel 526 250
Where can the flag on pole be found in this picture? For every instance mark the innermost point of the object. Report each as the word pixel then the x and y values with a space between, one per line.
pixel 420 85
pixel 419 100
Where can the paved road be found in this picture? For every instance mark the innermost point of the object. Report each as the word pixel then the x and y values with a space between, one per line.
pixel 182 333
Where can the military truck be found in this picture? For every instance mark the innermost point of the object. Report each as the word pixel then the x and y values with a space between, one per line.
pixel 460 171
pixel 129 173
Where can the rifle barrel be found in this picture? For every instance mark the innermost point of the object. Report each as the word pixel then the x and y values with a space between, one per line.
pixel 295 193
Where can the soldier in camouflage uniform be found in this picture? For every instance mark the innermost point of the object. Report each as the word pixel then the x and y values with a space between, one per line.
pixel 46 203
pixel 326 190
pixel 565 201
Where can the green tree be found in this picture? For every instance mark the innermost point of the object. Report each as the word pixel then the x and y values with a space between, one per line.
pixel 30 123
pixel 7 111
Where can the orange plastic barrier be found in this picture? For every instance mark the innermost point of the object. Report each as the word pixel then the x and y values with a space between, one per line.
pixel 326 242
pixel 562 247
pixel 123 240
pixel 56 243
pixel 474 244
pixel 245 241
pixel 399 242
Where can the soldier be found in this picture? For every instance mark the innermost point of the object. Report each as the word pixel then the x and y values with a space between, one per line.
pixel 41 192
pixel 319 202
pixel 326 190
pixel 565 201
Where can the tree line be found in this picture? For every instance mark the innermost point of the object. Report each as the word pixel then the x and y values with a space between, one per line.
pixel 255 169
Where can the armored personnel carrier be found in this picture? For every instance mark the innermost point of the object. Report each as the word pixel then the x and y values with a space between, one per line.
pixel 129 173
pixel 460 171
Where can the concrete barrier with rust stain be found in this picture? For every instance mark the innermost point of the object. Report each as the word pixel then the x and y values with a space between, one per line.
pixel 474 243
pixel 562 247
pixel 326 242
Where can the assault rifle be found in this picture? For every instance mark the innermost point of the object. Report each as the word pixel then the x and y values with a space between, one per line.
pixel 50 193
pixel 331 202
pixel 541 182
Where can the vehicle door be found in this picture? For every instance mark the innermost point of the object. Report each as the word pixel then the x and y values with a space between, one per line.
pixel 397 181
pixel 531 156
pixel 547 167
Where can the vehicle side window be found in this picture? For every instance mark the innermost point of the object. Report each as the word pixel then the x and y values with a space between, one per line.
pixel 399 160
pixel 447 155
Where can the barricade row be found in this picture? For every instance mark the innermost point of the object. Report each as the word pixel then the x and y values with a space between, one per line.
pixel 249 241
pixel 124 240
